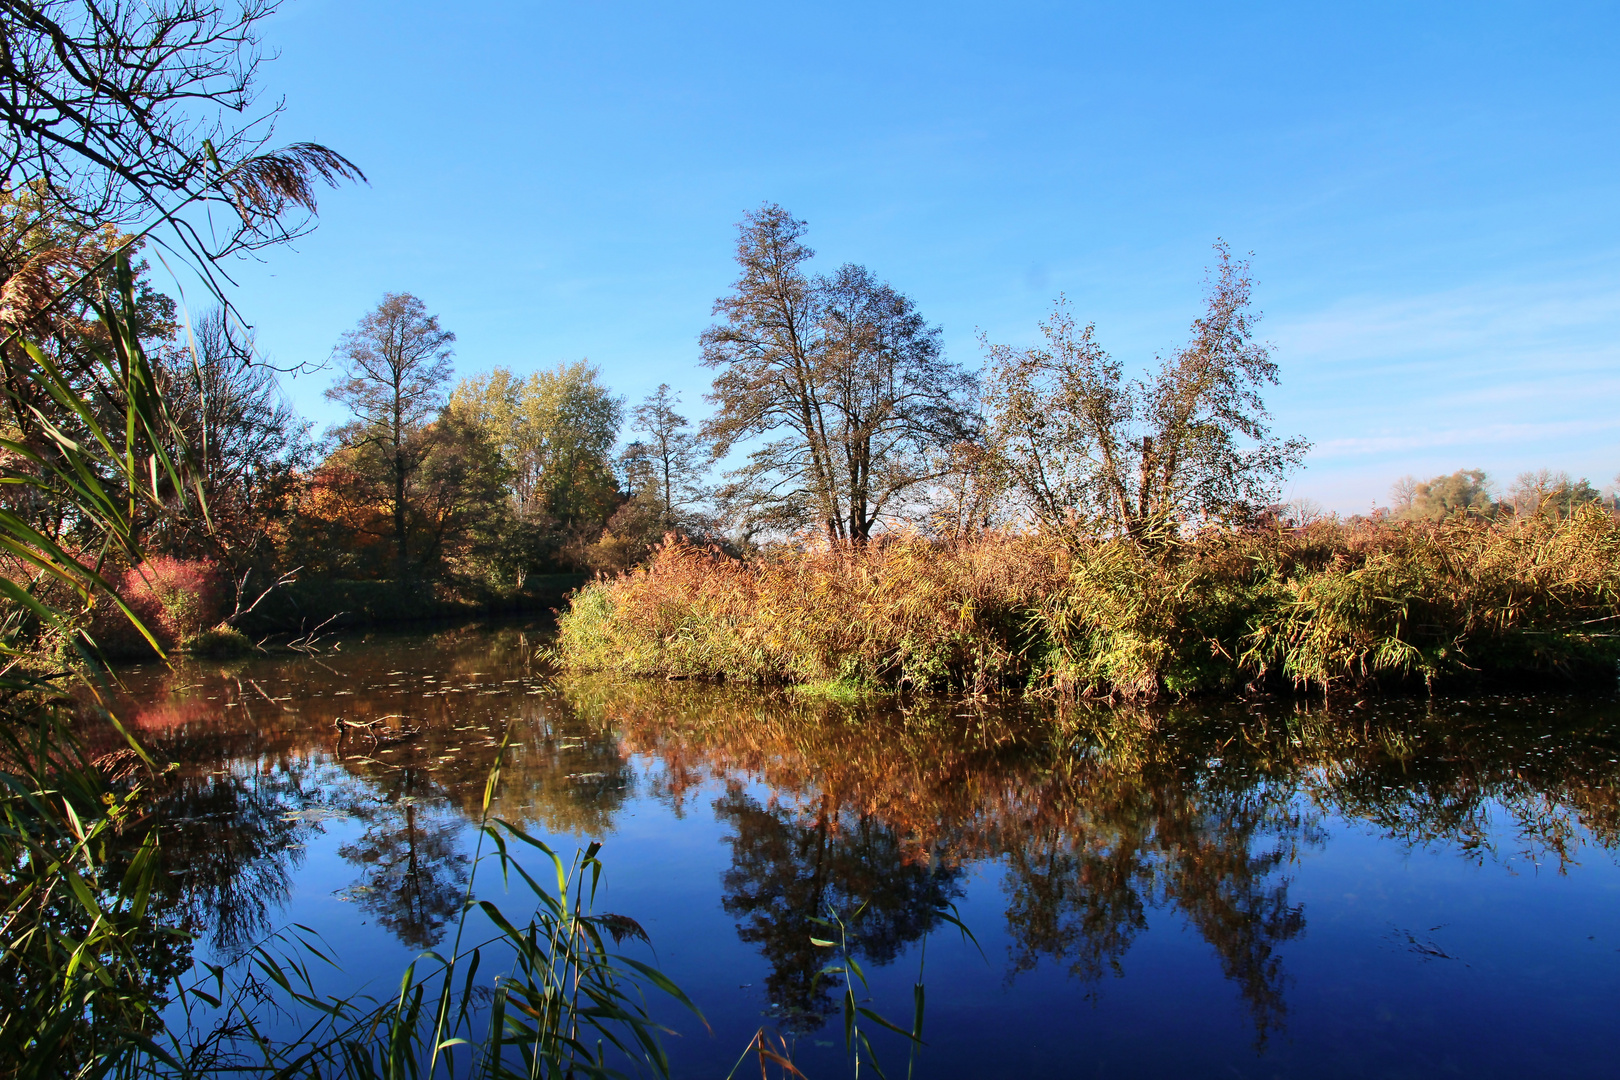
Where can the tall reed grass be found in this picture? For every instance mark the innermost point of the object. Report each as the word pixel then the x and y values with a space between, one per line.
pixel 1325 606
pixel 565 1002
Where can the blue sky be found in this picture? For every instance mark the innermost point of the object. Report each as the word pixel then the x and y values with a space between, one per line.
pixel 1429 192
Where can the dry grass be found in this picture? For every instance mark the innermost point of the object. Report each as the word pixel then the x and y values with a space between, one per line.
pixel 1327 605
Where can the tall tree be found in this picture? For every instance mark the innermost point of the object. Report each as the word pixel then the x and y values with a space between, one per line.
pixel 895 401
pixel 244 439
pixel 1087 449
pixel 395 365
pixel 842 371
pixel 671 457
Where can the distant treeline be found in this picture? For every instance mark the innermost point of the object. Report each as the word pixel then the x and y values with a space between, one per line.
pixel 1471 492
pixel 836 420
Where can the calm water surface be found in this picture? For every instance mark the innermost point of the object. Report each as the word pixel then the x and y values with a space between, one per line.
pixel 1383 889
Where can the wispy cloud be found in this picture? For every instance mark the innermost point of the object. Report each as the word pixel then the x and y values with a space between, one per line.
pixel 1493 436
pixel 1574 321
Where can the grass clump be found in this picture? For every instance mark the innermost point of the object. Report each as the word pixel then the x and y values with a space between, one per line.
pixel 219 642
pixel 1325 605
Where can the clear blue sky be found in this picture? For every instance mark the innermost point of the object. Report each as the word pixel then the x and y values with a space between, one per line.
pixel 1429 192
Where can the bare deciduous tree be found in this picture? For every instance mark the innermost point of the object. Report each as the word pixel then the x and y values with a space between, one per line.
pixel 1087 448
pixel 1544 491
pixel 395 365
pixel 843 371
pixel 242 435
pixel 672 455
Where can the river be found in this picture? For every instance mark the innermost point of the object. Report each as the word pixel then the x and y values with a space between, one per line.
pixel 1379 888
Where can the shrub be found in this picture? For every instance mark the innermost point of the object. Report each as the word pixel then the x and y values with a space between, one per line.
pixel 221 641
pixel 174 598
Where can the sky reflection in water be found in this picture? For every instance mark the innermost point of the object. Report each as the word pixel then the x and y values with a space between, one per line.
pixel 1384 889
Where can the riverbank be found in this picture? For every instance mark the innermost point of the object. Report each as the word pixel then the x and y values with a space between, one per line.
pixel 1329 606
pixel 300 606
pixel 296 610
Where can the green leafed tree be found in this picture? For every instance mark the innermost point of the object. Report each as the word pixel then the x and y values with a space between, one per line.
pixel 1464 492
pixel 556 431
pixel 1087 449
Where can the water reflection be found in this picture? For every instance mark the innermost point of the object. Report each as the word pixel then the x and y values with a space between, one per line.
pixel 1103 824
pixel 229 849
pixel 790 864
pixel 413 869
pixel 1103 817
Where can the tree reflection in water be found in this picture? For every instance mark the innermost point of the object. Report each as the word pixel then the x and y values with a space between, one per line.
pixel 1105 823
pixel 1079 890
pixel 789 866
pixel 229 849
pixel 413 867
pixel 1101 817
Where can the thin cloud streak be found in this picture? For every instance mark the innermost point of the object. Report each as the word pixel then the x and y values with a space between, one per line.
pixel 1489 435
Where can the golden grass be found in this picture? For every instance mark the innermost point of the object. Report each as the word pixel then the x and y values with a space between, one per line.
pixel 1321 606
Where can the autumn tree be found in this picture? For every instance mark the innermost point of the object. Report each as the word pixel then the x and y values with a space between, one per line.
pixel 394 367
pixel 662 476
pixel 840 376
pixel 1088 449
pixel 1464 492
pixel 969 493
pixel 119 124
pixel 245 441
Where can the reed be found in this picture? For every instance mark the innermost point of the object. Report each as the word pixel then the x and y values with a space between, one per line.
pixel 565 1002
pixel 90 974
pixel 1326 606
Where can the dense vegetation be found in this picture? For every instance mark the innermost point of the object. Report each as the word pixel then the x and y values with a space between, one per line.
pixel 1092 534
pixel 139 477
pixel 845 425
pixel 1329 605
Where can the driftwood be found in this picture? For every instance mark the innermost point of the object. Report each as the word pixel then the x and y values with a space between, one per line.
pixel 376 730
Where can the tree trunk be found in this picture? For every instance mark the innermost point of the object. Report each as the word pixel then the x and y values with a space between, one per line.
pixel 400 563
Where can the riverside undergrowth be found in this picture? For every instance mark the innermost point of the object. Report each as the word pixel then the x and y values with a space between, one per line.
pixel 1328 605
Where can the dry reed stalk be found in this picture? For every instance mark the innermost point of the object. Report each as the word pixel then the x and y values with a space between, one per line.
pixel 1319 606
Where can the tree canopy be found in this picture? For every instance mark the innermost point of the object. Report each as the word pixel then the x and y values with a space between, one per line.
pixel 394 367
pixel 1086 448
pixel 841 378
